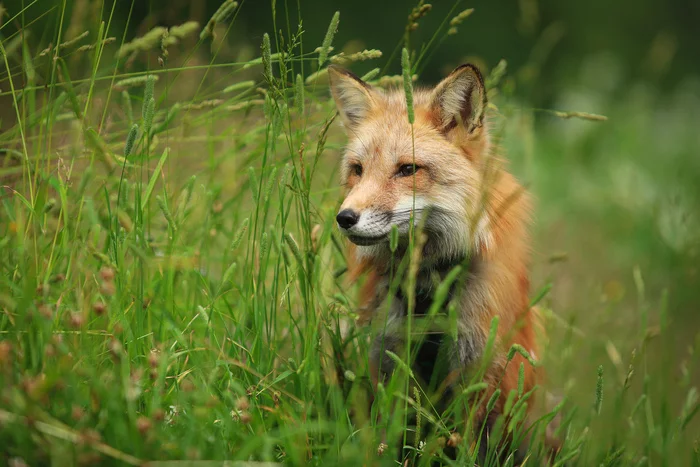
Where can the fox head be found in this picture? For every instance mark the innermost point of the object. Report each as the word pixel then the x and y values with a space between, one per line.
pixel 429 173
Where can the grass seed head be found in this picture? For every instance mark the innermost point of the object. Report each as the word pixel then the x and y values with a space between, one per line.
pixel 342 59
pixel 370 75
pixel 394 238
pixel 599 390
pixel 148 41
pixel 133 82
pixel 222 14
pixel 457 20
pixel 317 76
pixel 416 14
pixel 267 58
pixel 521 379
pixel 328 39
pixel 130 139
pixel 182 30
pixel 75 40
pixel 492 401
pixel 241 86
pixel 407 84
pixel 149 112
pixel 166 212
pixel 581 115
pixel 299 95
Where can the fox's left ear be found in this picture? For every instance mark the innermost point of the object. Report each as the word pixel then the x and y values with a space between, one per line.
pixel 460 100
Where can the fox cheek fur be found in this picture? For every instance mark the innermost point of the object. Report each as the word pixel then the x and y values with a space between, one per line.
pixel 437 169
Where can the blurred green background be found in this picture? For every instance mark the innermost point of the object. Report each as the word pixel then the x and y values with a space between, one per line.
pixel 617 218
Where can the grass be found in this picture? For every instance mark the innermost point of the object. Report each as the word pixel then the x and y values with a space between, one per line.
pixel 173 282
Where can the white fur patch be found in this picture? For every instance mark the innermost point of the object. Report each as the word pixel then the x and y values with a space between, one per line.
pixel 411 202
pixel 371 224
pixel 407 206
pixel 482 236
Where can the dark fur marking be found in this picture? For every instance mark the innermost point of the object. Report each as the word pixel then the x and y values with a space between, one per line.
pixel 466 111
pixel 350 74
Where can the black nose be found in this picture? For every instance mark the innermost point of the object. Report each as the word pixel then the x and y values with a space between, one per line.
pixel 347 218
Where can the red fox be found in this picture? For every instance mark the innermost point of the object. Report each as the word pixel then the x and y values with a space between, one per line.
pixel 434 173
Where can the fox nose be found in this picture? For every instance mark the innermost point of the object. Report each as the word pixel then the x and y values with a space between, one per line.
pixel 347 218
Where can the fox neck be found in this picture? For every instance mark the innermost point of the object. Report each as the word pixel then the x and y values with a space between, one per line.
pixel 429 277
pixel 439 253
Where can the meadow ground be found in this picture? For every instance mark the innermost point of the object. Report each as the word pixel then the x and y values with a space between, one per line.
pixel 173 280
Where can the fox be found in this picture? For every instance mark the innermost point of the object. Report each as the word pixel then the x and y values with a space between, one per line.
pixel 440 173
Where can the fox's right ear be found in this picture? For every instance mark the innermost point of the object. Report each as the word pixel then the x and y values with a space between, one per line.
pixel 353 97
pixel 460 100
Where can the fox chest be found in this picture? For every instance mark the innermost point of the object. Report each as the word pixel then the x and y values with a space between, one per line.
pixel 431 346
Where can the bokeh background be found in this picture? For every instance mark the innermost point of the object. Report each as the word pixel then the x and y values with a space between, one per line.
pixel 617 219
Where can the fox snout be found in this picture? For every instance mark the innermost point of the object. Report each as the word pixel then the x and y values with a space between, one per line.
pixel 366 227
pixel 372 225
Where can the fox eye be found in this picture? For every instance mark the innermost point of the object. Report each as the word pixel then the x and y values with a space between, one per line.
pixel 356 169
pixel 406 170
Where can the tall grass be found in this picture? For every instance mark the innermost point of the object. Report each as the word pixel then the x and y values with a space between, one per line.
pixel 173 284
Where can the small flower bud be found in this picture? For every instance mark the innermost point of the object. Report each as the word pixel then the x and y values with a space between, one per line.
pixel 143 424
pixel 107 273
pixel 99 308
pixel 455 440
pixel 242 403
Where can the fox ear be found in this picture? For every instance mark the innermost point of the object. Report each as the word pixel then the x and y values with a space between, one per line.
pixel 460 99
pixel 353 97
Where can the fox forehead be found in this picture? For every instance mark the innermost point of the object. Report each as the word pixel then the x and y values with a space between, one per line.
pixel 386 130
pixel 385 139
